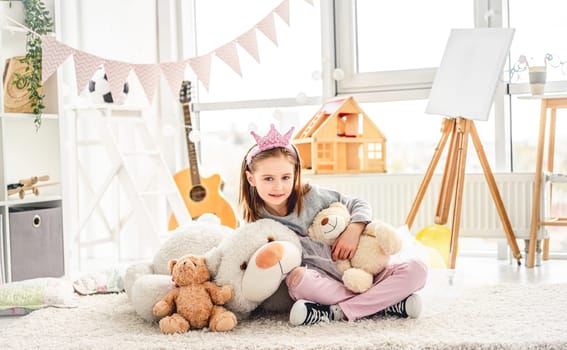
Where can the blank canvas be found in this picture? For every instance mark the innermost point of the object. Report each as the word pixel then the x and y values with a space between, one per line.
pixel 466 80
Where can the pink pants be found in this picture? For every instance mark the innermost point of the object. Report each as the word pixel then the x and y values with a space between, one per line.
pixel 391 286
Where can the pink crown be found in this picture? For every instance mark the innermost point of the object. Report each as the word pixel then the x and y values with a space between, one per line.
pixel 272 139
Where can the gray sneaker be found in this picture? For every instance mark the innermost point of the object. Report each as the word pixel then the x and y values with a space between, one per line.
pixel 409 307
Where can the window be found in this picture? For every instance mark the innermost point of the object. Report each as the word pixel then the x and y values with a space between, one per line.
pixel 381 67
pixel 402 64
pixel 374 151
pixel 389 75
pixel 284 71
pixel 539 33
pixel 283 89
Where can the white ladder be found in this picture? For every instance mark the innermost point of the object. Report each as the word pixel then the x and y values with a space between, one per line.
pixel 129 168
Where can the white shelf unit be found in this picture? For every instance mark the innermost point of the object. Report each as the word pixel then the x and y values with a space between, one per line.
pixel 24 151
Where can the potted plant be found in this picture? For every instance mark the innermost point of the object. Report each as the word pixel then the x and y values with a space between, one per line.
pixel 38 19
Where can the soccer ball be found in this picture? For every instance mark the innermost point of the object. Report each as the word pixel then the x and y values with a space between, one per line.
pixel 99 89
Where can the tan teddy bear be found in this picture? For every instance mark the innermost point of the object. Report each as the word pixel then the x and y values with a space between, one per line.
pixel 377 243
pixel 196 300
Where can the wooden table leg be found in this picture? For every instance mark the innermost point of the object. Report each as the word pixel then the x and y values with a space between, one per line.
pixel 537 186
pixel 549 168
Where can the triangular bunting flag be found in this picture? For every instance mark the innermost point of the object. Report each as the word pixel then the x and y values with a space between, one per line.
pixel 148 75
pixel 229 55
pixel 268 27
pixel 249 42
pixel 283 11
pixel 117 74
pixel 201 66
pixel 53 53
pixel 174 74
pixel 85 66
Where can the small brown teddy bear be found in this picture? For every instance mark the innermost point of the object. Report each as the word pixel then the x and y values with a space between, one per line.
pixel 195 300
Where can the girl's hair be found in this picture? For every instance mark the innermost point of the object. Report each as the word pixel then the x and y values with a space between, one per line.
pixel 249 199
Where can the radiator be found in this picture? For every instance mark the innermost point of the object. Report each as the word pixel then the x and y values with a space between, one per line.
pixel 392 195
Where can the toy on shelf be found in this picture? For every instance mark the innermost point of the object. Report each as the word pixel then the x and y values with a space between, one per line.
pixel 29 185
pixel 341 138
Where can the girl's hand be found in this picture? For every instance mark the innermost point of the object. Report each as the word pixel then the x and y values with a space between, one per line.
pixel 346 244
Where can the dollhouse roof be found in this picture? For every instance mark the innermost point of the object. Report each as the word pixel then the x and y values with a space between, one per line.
pixel 332 109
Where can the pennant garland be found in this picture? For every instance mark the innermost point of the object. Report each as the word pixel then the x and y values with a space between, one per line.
pixel 174 73
pixel 283 11
pixel 85 66
pixel 202 68
pixel 268 27
pixel 249 42
pixel 148 75
pixel 229 55
pixel 55 53
pixel 59 51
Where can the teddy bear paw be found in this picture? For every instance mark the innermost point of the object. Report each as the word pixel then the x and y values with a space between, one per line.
pixel 388 236
pixel 161 308
pixel 357 280
pixel 224 323
pixel 173 324
pixel 222 320
pixel 227 293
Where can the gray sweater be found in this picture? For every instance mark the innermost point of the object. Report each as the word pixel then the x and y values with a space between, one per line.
pixel 317 255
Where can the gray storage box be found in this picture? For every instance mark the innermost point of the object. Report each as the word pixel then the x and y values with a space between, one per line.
pixel 36 243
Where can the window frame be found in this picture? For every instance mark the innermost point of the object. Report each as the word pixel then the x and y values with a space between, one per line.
pixel 188 35
pixel 387 85
pixel 384 85
pixel 414 84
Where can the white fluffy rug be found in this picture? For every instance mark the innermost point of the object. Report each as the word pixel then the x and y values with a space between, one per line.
pixel 507 316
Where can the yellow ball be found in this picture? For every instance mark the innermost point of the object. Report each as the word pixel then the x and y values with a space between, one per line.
pixel 437 237
pixel 436 261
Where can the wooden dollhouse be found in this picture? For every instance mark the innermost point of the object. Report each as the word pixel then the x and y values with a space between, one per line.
pixel 341 138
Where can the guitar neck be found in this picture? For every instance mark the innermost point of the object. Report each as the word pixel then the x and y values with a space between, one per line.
pixel 191 151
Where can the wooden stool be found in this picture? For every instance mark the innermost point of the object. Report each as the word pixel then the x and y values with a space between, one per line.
pixel 551 103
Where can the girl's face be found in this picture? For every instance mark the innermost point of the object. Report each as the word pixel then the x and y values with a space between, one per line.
pixel 273 179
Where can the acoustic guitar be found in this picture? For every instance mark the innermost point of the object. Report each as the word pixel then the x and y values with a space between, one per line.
pixel 201 195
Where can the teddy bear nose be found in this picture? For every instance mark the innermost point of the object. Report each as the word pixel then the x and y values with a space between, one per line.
pixel 270 255
pixel 325 221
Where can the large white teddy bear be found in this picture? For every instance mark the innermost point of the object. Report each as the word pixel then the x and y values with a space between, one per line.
pixel 378 242
pixel 254 258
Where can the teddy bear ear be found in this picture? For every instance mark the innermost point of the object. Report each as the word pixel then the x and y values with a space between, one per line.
pixel 200 260
pixel 171 264
pixel 212 259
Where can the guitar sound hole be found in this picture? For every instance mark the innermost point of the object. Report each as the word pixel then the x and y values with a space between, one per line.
pixel 197 193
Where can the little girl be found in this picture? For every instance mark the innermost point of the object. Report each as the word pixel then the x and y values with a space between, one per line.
pixel 271 187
